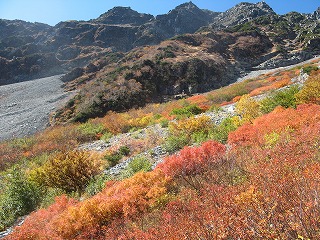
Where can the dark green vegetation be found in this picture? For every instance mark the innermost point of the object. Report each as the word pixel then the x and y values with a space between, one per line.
pixel 285 98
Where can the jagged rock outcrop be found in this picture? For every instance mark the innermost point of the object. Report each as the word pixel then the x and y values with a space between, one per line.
pixel 316 14
pixel 185 18
pixel 241 13
pixel 123 15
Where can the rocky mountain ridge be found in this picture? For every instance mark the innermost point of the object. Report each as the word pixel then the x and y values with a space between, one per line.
pixel 242 13
pixel 32 50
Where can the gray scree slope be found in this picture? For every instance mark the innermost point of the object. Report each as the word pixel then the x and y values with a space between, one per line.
pixel 25 107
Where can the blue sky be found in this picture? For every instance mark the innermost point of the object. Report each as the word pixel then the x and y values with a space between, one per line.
pixel 54 11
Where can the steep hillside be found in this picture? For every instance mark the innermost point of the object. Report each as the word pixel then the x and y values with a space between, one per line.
pixel 253 175
pixel 65 159
pixel 295 36
pixel 186 64
pixel 192 63
pixel 189 64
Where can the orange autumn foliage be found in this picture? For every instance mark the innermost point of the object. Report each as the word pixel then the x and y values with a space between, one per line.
pixel 271 79
pixel 236 99
pixel 275 171
pixel 119 200
pixel 36 225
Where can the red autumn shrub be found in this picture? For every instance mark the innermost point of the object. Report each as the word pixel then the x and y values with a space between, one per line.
pixel 278 120
pixel 193 160
pixel 36 224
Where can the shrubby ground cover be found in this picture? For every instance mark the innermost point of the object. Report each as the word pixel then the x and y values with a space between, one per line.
pixel 263 184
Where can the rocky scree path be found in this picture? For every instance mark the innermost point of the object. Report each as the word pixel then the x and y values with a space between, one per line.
pixel 25 107
pixel 155 154
pixel 257 73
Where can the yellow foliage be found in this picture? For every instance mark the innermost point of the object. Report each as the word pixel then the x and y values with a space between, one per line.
pixel 271 139
pixel 69 171
pixel 251 195
pixel 190 125
pixel 142 121
pixel 310 93
pixel 247 108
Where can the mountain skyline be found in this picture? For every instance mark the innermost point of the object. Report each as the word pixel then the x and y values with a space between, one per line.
pixel 53 12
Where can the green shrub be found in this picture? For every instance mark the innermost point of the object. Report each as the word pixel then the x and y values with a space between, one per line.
pixel 164 123
pixel 200 137
pixel 139 164
pixel 157 116
pixel 19 197
pixel 309 69
pixel 187 111
pixel 175 143
pixel 49 196
pixel 285 98
pixel 220 133
pixel 97 183
pixel 124 150
pixel 113 159
pixel 106 136
pixel 22 143
pixel 91 130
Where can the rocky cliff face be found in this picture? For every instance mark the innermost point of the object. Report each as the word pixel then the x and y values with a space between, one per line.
pixel 31 50
pixel 242 13
pixel 123 15
pixel 316 14
pixel 185 18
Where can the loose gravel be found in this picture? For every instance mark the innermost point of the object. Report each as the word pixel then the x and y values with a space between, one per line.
pixel 25 106
pixel 257 73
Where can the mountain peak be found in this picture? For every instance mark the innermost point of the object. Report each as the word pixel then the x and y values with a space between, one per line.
pixel 243 12
pixel 185 18
pixel 187 5
pixel 264 5
pixel 123 15
pixel 261 5
pixel 316 13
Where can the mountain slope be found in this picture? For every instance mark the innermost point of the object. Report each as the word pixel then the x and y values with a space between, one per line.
pixel 191 63
pixel 186 64
pixel 39 49
pixel 31 50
